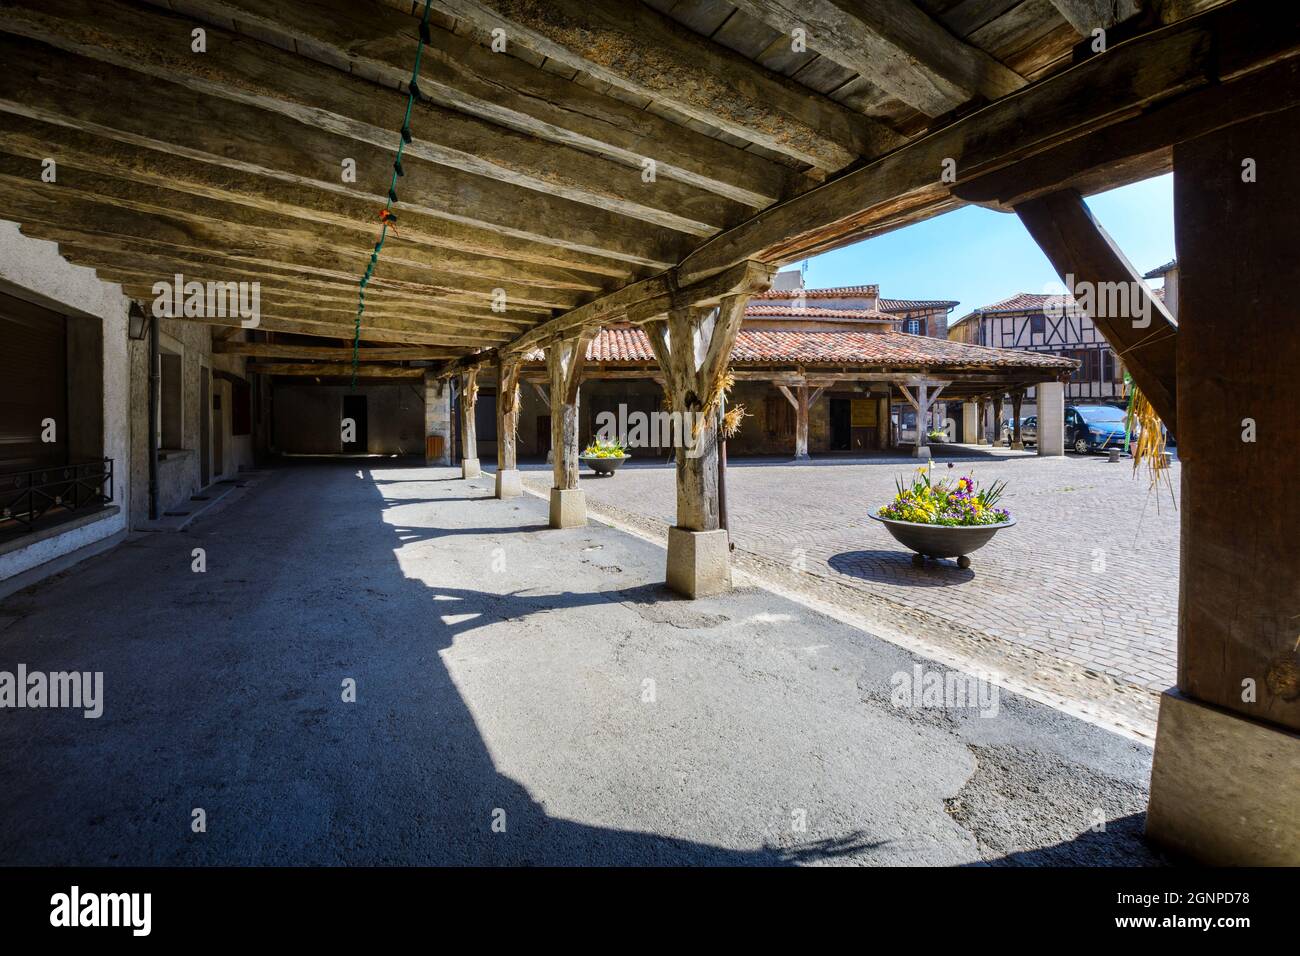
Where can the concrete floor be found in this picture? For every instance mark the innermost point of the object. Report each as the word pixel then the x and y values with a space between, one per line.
pixel 504 672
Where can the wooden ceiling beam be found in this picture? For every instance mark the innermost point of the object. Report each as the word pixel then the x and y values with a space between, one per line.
pixel 1088 15
pixel 1218 47
pixel 894 45
pixel 122 206
pixel 111 101
pixel 335 370
pixel 264 199
pixel 126 230
pixel 374 41
pixel 340 353
pixel 641 51
pixel 245 70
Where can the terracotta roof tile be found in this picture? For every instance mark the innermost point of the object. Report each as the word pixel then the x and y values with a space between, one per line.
pixel 834 292
pixel 890 348
pixel 907 305
pixel 813 312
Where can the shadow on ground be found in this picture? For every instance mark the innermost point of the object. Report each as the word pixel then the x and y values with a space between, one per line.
pixel 223 694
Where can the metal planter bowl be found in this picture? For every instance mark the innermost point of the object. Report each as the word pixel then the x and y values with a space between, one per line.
pixel 942 541
pixel 603 466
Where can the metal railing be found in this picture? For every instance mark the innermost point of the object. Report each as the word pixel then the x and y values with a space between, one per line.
pixel 28 496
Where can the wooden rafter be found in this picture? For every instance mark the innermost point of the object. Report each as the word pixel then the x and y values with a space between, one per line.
pixel 894 45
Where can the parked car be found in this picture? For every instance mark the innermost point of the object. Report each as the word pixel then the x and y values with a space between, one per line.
pixel 1090 428
pixel 1028 431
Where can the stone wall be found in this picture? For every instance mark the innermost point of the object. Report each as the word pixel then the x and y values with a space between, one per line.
pixel 32 269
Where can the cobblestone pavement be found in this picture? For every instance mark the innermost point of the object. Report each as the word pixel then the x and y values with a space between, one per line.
pixel 1086 583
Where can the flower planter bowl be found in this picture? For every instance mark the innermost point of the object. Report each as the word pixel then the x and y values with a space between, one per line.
pixel 603 466
pixel 940 540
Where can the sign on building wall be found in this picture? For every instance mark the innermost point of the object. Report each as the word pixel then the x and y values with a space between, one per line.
pixel 864 413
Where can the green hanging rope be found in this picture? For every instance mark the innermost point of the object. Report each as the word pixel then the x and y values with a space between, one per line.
pixel 387 217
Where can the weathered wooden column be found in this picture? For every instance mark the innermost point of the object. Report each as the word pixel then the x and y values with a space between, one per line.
pixel 1225 782
pixel 509 484
pixel 1017 400
pixel 884 426
pixel 983 437
pixel 997 420
pixel 564 360
pixel 469 466
pixel 693 346
pixel 923 402
pixel 802 402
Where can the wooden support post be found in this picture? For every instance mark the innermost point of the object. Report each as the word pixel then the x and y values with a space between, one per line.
pixel 801 403
pixel 997 419
pixel 509 484
pixel 1017 400
pixel 1112 293
pixel 469 465
pixel 883 425
pixel 693 347
pixel 1227 757
pixel 564 361
pixel 983 438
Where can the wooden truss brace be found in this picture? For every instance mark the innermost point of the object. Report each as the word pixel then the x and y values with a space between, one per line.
pixel 1087 259
pixel 802 404
pixel 565 358
pixel 922 402
pixel 469 398
pixel 507 412
pixel 693 346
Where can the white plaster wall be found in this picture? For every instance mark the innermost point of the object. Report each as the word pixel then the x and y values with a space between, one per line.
pixel 33 269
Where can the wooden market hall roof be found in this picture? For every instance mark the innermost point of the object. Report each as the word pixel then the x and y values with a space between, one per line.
pixel 571 162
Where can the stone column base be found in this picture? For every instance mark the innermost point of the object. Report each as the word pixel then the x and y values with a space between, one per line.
pixel 1017 446
pixel 1223 786
pixel 509 483
pixel 699 562
pixel 568 508
pixel 922 451
pixel 469 468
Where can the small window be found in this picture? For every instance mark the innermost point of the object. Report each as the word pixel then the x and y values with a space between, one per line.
pixel 1037 324
pixel 913 327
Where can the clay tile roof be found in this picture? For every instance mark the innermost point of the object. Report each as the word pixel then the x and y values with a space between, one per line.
pixel 890 348
pixel 1028 302
pixel 813 312
pixel 834 292
pixel 907 305
pixel 1159 271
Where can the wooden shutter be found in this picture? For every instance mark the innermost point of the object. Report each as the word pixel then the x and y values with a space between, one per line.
pixel 33 385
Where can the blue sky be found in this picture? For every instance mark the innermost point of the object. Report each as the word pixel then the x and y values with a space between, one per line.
pixel 978 256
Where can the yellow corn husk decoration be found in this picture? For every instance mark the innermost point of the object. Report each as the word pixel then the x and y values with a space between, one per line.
pixel 1149 448
pixel 732 419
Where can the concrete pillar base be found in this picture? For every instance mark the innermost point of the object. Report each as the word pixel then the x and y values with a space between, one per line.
pixel 1017 446
pixel 921 452
pixel 1222 786
pixel 509 483
pixel 699 562
pixel 981 440
pixel 469 468
pixel 568 508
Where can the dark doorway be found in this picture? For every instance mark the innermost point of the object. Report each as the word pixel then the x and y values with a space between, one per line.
pixel 205 427
pixel 354 408
pixel 841 424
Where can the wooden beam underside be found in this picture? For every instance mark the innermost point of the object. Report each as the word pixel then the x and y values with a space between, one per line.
pixel 525 211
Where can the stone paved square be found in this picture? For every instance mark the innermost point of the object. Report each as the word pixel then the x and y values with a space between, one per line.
pixel 1088 577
